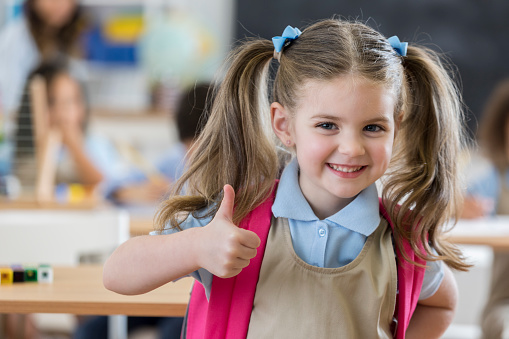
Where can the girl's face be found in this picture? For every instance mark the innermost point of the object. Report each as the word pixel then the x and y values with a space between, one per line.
pixel 66 102
pixel 343 132
pixel 55 13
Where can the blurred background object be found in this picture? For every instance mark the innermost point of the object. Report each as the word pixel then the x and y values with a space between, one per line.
pixel 487 196
pixel 135 58
pixel 141 53
pixel 148 183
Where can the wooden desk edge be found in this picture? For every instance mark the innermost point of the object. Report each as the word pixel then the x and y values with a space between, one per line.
pixel 69 295
pixel 497 243
pixel 83 308
pixel 140 226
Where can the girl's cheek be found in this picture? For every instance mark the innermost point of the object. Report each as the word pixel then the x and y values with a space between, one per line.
pixel 314 148
pixel 386 152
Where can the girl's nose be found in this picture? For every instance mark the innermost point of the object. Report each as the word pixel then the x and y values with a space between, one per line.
pixel 351 146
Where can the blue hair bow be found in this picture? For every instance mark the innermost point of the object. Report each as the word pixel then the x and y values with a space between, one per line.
pixel 289 33
pixel 399 47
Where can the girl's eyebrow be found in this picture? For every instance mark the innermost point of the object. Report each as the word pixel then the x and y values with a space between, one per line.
pixel 381 118
pixel 326 117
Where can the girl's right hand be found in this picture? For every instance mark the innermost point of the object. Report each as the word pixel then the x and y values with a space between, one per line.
pixel 224 248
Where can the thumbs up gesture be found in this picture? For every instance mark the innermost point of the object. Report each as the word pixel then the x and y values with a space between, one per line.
pixel 226 249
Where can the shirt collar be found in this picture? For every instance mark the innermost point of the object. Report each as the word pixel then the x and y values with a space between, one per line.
pixel 361 215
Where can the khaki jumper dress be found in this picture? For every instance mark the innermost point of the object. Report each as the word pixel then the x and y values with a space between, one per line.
pixel 296 300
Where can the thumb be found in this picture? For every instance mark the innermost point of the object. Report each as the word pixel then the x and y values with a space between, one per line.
pixel 226 208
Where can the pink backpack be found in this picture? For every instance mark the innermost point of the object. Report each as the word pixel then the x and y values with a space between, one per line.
pixel 227 312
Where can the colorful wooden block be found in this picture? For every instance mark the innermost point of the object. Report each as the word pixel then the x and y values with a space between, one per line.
pixel 18 273
pixel 45 274
pixel 30 274
pixel 6 275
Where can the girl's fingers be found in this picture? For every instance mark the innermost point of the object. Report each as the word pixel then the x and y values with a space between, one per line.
pixel 249 238
pixel 247 253
pixel 240 263
pixel 225 211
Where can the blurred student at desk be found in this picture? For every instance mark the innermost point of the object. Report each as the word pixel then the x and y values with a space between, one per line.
pixel 81 158
pixel 487 195
pixel 45 29
pixel 148 187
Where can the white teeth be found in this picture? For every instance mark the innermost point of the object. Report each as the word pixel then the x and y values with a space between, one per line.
pixel 345 169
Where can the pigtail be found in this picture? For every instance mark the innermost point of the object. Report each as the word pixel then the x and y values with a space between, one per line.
pixel 235 146
pixel 424 174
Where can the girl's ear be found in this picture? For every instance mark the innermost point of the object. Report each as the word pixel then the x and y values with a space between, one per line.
pixel 280 119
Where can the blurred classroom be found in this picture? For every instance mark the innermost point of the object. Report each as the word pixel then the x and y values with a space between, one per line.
pixel 135 62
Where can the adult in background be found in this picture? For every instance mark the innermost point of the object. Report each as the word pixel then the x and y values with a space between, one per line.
pixel 45 29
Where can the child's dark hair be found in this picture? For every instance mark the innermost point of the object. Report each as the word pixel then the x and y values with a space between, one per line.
pixel 24 136
pixel 493 134
pixel 191 114
pixel 238 147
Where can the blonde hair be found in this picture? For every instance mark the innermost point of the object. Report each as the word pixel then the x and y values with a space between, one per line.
pixel 238 147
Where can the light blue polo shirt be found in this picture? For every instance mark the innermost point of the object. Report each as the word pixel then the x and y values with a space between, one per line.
pixel 332 242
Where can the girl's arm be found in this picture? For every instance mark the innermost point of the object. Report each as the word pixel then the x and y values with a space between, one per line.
pixel 434 314
pixel 144 263
pixel 73 140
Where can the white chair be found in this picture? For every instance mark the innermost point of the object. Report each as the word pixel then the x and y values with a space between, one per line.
pixel 59 237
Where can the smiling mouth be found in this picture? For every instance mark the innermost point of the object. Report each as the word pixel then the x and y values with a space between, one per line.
pixel 346 169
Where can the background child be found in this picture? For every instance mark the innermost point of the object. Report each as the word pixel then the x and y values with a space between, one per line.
pixel 348 102
pixel 488 194
pixel 190 118
pixel 83 158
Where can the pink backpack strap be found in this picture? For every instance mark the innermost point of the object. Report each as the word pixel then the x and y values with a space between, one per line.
pixel 228 311
pixel 410 278
pixel 196 313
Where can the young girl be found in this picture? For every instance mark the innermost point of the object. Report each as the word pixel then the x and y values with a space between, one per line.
pixel 489 195
pixel 336 263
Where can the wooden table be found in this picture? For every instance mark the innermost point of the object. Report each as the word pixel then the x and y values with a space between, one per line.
pixel 493 231
pixel 140 225
pixel 79 290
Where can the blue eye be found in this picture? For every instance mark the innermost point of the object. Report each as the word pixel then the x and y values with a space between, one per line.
pixel 372 128
pixel 326 125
